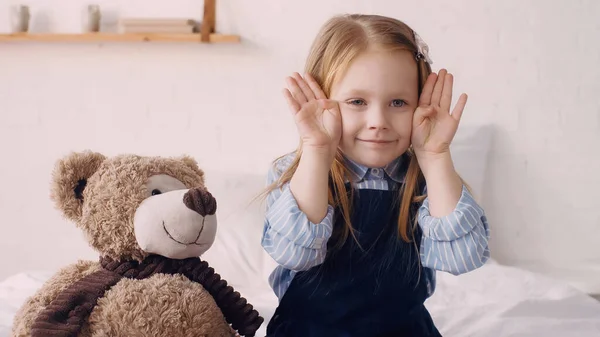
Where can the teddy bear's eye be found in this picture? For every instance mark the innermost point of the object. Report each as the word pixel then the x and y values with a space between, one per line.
pixel 161 184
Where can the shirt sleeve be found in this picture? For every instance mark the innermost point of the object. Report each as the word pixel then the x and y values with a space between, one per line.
pixel 456 243
pixel 289 237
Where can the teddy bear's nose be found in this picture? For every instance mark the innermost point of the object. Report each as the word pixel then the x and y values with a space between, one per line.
pixel 201 201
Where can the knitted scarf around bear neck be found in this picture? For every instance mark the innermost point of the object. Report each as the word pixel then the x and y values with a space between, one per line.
pixel 66 314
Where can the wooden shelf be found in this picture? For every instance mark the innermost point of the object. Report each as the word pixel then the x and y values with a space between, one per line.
pixel 117 37
pixel 206 35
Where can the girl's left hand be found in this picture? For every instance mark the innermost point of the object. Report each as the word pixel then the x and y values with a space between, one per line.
pixel 433 125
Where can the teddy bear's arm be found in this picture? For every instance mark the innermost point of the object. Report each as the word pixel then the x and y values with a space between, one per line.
pixel 28 312
pixel 237 311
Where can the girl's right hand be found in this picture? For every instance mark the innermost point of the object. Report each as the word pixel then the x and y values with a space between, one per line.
pixel 317 118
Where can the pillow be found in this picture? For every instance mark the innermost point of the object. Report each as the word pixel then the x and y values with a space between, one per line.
pixel 237 254
pixel 470 149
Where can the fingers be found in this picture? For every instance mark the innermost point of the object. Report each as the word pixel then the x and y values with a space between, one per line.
pixel 460 106
pixel 330 106
pixel 423 113
pixel 428 89
pixel 437 90
pixel 302 90
pixel 426 112
pixel 294 105
pixel 446 100
pixel 295 90
pixel 315 87
pixel 306 90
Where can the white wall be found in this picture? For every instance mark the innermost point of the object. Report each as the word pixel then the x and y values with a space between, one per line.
pixel 530 69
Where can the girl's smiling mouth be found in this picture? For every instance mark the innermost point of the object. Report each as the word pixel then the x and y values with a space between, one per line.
pixel 376 141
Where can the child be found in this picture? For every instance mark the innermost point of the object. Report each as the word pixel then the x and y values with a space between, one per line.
pixel 356 238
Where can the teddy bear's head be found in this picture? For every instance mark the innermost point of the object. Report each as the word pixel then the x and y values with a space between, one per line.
pixel 132 206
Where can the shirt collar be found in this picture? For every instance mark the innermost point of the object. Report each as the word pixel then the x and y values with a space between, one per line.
pixel 394 170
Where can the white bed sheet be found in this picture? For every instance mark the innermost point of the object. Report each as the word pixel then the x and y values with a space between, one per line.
pixel 492 301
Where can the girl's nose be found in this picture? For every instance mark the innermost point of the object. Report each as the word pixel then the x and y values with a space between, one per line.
pixel 376 118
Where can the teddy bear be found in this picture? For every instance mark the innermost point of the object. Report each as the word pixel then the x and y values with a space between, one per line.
pixel 150 219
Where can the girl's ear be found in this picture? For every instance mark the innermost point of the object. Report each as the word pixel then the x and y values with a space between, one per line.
pixel 69 180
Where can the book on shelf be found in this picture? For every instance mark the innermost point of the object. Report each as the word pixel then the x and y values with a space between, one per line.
pixel 157 30
pixel 157 21
pixel 158 25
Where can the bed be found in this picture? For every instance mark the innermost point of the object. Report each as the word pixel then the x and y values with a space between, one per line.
pixel 494 300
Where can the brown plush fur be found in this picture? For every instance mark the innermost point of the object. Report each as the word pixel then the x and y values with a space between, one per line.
pixel 112 195
pixel 100 195
pixel 62 279
pixel 67 174
pixel 165 305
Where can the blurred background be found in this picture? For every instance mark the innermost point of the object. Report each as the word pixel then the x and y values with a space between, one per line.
pixel 532 123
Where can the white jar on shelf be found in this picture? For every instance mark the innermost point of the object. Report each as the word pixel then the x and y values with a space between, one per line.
pixel 91 19
pixel 19 18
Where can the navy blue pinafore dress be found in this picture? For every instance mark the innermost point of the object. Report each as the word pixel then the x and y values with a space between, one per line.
pixel 376 290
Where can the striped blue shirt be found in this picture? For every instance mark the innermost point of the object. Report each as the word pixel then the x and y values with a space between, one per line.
pixel 456 243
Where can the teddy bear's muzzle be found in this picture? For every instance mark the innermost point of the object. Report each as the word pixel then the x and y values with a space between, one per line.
pixel 201 201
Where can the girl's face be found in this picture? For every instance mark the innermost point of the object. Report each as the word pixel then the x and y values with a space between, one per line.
pixel 377 96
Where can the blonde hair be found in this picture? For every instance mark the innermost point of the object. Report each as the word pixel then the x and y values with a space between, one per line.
pixel 338 43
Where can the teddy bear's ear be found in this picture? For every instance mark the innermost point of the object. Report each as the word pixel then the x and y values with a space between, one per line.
pixel 193 164
pixel 69 180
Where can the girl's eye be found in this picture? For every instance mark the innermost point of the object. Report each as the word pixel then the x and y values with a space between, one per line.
pixel 356 102
pixel 398 103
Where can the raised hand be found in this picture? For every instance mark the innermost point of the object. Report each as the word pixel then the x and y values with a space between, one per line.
pixel 317 118
pixel 434 126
